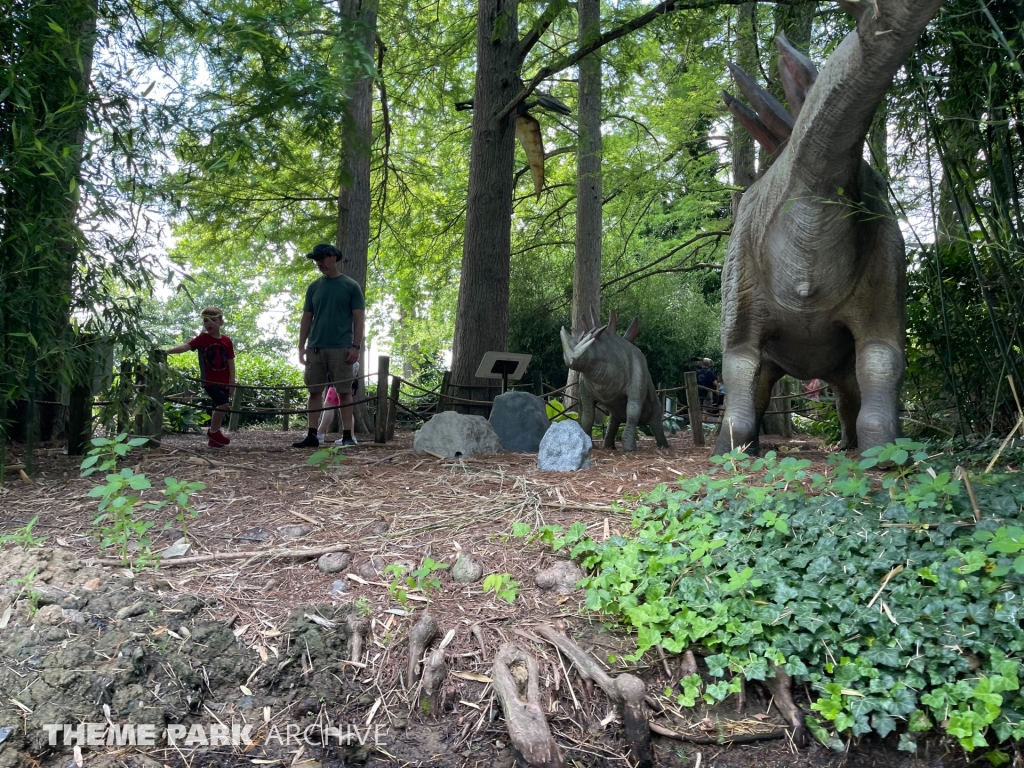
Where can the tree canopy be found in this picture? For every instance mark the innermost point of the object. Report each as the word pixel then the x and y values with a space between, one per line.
pixel 214 133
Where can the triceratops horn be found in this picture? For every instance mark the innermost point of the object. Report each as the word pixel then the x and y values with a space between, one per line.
pixel 566 345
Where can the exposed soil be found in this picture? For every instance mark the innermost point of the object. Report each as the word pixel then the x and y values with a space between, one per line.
pixel 264 641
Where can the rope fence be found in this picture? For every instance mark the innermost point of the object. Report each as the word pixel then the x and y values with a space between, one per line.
pixel 421 403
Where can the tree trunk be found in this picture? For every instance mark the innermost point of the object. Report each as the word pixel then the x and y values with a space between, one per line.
pixel 586 282
pixel 41 138
pixel 743 170
pixel 353 235
pixel 481 320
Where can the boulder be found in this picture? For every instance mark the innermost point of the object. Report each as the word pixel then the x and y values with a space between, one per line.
pixel 467 570
pixel 565 448
pixel 334 562
pixel 452 434
pixel 560 577
pixel 372 568
pixel 520 420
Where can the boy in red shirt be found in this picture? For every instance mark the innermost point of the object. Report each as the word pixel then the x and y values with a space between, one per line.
pixel 216 369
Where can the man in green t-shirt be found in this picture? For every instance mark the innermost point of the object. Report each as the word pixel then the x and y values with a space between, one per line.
pixel 330 335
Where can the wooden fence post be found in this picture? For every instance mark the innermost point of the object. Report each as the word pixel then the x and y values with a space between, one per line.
pixel 79 419
pixel 380 434
pixel 285 423
pixel 446 379
pixel 693 407
pixel 396 391
pixel 126 375
pixel 787 407
pixel 236 406
pixel 153 421
pixel 538 383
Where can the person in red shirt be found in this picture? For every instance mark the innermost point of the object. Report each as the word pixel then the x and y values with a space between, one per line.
pixel 216 369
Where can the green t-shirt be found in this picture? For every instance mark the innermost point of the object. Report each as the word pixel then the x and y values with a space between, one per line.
pixel 331 301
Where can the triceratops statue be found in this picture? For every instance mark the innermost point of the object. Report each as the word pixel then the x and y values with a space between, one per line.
pixel 613 372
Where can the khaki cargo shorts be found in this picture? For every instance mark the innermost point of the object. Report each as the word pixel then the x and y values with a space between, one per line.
pixel 325 366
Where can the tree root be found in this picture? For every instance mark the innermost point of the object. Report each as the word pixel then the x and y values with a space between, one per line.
pixel 627 691
pixel 527 726
pixel 419 638
pixel 434 673
pixel 781 687
pixel 357 626
pixel 688 665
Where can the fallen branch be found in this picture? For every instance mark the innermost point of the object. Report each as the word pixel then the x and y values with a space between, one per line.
pixel 626 690
pixel 740 738
pixel 425 630
pixel 527 727
pixel 289 554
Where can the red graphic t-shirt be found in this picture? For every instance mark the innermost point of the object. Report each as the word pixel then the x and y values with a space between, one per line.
pixel 213 358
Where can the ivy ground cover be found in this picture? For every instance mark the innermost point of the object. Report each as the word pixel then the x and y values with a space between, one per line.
pixel 886 594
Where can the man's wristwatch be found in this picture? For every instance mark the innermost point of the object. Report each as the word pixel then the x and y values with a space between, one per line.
pixel 355 346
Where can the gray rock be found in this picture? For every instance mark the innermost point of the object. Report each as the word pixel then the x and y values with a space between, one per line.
pixel 452 434
pixel 467 570
pixel 294 531
pixel 560 577
pixel 177 549
pixel 128 611
pixel 255 534
pixel 334 562
pixel 565 448
pixel 520 420
pixel 372 568
pixel 339 588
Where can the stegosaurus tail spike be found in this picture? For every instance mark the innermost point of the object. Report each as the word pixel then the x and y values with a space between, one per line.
pixel 797 73
pixel 749 120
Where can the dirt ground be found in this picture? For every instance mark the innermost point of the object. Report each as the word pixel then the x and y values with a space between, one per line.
pixel 264 641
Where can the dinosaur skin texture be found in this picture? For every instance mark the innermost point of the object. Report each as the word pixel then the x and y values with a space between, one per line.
pixel 613 372
pixel 814 280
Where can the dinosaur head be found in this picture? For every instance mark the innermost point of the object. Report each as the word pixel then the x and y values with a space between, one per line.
pixel 575 345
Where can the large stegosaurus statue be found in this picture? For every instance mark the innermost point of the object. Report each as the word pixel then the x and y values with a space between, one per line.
pixel 814 280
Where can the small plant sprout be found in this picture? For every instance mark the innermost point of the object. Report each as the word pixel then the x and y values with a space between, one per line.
pixel 422 579
pixel 106 451
pixel 178 493
pixel 503 587
pixel 326 458
pixel 24 537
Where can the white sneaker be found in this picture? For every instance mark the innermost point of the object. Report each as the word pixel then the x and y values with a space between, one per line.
pixel 345 442
pixel 319 438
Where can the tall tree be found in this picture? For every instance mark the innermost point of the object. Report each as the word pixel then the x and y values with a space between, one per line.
pixel 586 281
pixel 481 322
pixel 741 141
pixel 353 236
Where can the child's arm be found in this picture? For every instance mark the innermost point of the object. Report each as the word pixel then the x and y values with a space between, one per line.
pixel 179 349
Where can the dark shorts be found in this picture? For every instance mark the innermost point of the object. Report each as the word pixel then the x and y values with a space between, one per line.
pixel 219 395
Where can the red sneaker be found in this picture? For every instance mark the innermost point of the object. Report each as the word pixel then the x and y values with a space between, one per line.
pixel 220 437
pixel 214 444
